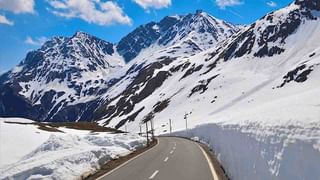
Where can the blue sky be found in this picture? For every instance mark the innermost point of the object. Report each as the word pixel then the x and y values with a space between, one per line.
pixel 25 24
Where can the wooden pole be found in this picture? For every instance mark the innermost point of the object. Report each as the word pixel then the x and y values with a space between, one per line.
pixel 152 130
pixel 170 126
pixel 186 118
pixel 147 133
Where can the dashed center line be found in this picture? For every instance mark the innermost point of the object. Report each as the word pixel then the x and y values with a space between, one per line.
pixel 174 148
pixel 166 159
pixel 171 151
pixel 154 174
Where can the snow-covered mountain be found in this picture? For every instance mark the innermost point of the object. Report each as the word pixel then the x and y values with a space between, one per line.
pixel 249 92
pixel 66 77
pixel 252 98
pixel 63 72
pixel 199 30
pixel 270 50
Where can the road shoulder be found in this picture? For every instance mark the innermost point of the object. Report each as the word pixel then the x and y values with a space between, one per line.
pixel 219 170
pixel 115 163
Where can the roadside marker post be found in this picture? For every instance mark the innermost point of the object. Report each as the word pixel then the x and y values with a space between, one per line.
pixel 147 134
pixel 186 118
pixel 170 126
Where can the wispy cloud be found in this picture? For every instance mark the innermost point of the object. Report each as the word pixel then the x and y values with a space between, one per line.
pixel 156 4
pixel 4 20
pixel 91 11
pixel 222 4
pixel 236 14
pixel 272 4
pixel 18 6
pixel 37 41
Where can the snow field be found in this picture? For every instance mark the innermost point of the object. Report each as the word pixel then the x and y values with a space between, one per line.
pixel 30 153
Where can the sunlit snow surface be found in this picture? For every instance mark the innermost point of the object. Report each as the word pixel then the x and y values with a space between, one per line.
pixel 27 152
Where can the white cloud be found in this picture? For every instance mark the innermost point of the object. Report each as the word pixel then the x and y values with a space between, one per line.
pixel 18 6
pixel 272 4
pixel 225 3
pixel 4 20
pixel 36 42
pixel 92 11
pixel 157 4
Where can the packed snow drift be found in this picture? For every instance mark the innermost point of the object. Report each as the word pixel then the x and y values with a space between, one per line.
pixel 30 153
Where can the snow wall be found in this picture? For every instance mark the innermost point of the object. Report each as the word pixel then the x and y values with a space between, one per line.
pixel 263 152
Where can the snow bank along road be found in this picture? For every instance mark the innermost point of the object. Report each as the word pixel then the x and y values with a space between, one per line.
pixel 171 158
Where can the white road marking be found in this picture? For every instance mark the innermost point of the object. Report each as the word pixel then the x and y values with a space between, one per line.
pixel 125 163
pixel 166 159
pixel 154 174
pixel 171 151
pixel 174 148
pixel 175 144
pixel 213 171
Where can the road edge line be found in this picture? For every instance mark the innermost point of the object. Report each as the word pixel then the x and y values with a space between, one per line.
pixel 123 164
pixel 213 171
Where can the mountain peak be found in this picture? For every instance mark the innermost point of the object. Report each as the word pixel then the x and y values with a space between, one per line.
pixel 200 29
pixel 199 11
pixel 63 70
pixel 81 34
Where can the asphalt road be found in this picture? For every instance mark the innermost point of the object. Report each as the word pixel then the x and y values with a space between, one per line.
pixel 171 159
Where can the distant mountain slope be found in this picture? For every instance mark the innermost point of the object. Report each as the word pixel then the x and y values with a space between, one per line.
pixel 63 72
pixel 191 61
pixel 256 65
pixel 67 78
pixel 200 29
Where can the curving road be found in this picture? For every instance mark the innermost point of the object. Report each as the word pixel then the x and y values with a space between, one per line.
pixel 172 158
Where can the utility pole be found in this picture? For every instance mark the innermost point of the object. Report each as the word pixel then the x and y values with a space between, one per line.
pixel 152 129
pixel 186 118
pixel 140 130
pixel 170 127
pixel 147 133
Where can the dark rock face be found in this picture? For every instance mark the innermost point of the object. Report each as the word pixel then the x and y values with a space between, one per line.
pixel 202 86
pixel 129 118
pixel 146 82
pixel 161 105
pixel 142 37
pixel 299 75
pixel 130 46
pixel 191 70
pixel 309 4
pixel 12 104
